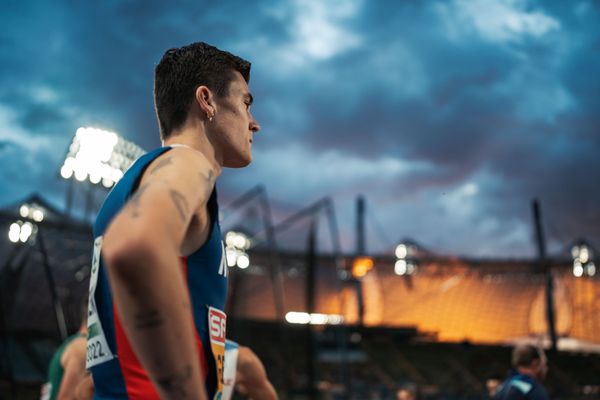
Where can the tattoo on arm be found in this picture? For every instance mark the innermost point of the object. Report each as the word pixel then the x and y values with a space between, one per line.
pixel 181 203
pixel 135 201
pixel 162 163
pixel 175 384
pixel 208 178
pixel 148 320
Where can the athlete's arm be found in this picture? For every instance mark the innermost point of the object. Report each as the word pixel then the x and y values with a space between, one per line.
pixel 73 363
pixel 85 389
pixel 141 250
pixel 251 377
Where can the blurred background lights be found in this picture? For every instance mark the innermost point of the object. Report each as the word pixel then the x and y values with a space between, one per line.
pixel 295 317
pixel 98 155
pixel 13 232
pixel 361 266
pixel 401 251
pixel 405 263
pixel 243 261
pixel 583 263
pixel 32 211
pixel 21 231
pixel 400 267
pixel 236 244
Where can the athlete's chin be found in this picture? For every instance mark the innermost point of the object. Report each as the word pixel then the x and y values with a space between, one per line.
pixel 239 162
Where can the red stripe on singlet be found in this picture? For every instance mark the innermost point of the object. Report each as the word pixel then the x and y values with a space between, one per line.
pixel 137 381
pixel 199 346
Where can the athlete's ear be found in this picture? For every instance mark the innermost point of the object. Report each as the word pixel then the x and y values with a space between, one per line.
pixel 205 101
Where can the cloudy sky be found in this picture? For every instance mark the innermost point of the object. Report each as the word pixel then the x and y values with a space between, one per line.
pixel 448 116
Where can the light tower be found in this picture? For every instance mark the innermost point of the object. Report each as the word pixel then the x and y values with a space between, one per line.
pixel 97 158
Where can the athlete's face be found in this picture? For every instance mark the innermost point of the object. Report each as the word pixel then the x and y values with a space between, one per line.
pixel 235 126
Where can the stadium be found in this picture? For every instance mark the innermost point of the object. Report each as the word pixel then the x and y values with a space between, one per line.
pixel 327 324
pixel 381 200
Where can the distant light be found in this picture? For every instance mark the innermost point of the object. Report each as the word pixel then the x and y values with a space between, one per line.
pixel 591 269
pixel 318 319
pixel 410 268
pixel 231 255
pixel 32 211
pixel 584 254
pixel 26 231
pixel 401 251
pixel 80 175
pixel 575 251
pixel 24 211
pixel 38 215
pixel 66 172
pixel 106 182
pixel 243 261
pixel 117 174
pixel 230 238
pixel 237 240
pixel 361 265
pixel 236 245
pixel 583 260
pixel 400 268
pixel 240 241
pixel 295 317
pixel 14 232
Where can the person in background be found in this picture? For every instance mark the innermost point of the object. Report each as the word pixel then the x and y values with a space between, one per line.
pixel 67 366
pixel 531 368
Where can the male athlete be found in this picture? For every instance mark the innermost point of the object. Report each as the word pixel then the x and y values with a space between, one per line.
pixel 159 277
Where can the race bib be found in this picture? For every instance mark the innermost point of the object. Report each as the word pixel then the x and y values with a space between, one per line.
pixel 217 321
pixel 231 356
pixel 98 351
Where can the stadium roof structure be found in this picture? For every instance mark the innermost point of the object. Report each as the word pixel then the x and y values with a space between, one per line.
pixel 51 214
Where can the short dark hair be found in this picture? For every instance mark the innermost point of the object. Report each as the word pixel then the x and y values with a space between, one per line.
pixel 523 355
pixel 180 72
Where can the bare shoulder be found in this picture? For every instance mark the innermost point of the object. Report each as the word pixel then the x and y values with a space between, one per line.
pixel 181 164
pixel 180 157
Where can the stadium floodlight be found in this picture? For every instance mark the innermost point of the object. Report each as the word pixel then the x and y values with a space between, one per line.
pixel 401 251
pixel 405 264
pixel 22 231
pixel 235 251
pixel 32 211
pixel 99 156
pixel 304 318
pixel 583 263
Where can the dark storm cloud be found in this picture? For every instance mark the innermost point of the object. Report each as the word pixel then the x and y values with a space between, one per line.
pixel 450 116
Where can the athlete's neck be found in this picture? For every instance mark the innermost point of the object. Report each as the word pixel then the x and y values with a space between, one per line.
pixel 194 138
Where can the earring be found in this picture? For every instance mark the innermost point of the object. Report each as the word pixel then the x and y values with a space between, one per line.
pixel 210 117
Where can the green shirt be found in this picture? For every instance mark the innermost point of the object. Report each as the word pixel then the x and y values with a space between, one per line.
pixel 55 370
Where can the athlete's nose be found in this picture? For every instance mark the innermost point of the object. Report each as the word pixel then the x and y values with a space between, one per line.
pixel 254 125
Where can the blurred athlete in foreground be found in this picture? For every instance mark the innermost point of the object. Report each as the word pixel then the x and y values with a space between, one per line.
pixel 159 277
